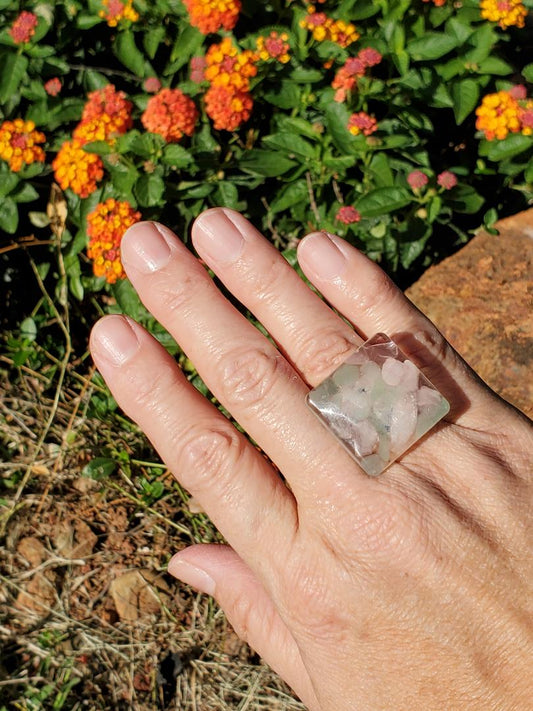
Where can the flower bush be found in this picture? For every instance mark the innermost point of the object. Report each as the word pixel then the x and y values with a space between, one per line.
pixel 402 126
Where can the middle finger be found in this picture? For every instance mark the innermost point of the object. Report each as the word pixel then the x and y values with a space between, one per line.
pixel 239 365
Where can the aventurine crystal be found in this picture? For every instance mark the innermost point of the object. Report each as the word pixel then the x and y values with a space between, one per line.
pixel 378 404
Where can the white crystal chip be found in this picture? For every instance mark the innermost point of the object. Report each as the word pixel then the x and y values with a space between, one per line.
pixel 378 404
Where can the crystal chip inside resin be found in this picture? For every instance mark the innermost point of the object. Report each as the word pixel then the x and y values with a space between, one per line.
pixel 377 403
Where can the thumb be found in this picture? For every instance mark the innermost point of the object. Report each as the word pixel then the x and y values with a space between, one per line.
pixel 218 571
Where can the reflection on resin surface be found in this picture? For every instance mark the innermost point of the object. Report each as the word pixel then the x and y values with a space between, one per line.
pixel 377 403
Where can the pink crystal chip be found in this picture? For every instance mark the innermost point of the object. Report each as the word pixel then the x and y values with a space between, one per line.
pixel 377 404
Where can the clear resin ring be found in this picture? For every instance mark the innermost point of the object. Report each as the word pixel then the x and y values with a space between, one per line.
pixel 377 404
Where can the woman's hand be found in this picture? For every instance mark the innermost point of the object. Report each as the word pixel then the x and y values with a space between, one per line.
pixel 410 591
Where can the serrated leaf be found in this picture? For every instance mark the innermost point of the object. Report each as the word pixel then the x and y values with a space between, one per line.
pixel 291 143
pixel 383 200
pixel 177 156
pixel 509 147
pixel 527 73
pixel 186 44
pixel 128 53
pixel 465 95
pixel 269 164
pixel 149 190
pixel 465 199
pixel 28 329
pixel 432 46
pixel 227 195
pixel 8 182
pixel 9 216
pixel 14 68
pixel 292 194
pixel 127 298
pixel 337 117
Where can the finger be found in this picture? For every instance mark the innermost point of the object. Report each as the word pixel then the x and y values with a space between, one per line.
pixel 312 336
pixel 360 290
pixel 237 487
pixel 217 570
pixel 240 366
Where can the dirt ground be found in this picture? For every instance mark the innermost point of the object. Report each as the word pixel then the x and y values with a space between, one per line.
pixel 89 517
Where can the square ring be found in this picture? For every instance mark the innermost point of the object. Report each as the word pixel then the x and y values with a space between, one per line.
pixel 377 404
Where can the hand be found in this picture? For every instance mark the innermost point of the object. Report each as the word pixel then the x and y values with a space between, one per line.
pixel 410 591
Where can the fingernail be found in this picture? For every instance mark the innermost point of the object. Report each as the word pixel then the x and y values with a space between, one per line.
pixel 146 247
pixel 114 340
pixel 218 237
pixel 322 255
pixel 191 575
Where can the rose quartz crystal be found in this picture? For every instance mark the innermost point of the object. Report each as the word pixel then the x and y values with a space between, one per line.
pixel 377 404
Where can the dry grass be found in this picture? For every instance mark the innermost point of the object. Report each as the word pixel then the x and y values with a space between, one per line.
pixel 67 640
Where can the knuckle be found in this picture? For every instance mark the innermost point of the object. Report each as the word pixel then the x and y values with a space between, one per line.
pixel 322 352
pixel 211 453
pixel 379 293
pixel 179 295
pixel 242 614
pixel 249 377
pixel 150 393
pixel 266 290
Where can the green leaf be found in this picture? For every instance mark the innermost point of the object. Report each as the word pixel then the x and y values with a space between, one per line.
pixel 128 299
pixel 127 52
pixel 186 44
pixel 509 147
pixel 431 46
pixel 527 73
pixel 8 182
pixel 337 117
pixel 292 194
pixel 465 199
pixel 227 195
pixel 152 39
pixel 149 190
pixel 495 67
pixel 383 200
pixel 284 96
pixel 101 148
pixel 87 22
pixel 99 468
pixel 291 143
pixel 25 193
pixel 14 68
pixel 303 75
pixel 465 94
pixel 9 216
pixel 381 171
pixel 269 164
pixel 28 329
pixel 177 156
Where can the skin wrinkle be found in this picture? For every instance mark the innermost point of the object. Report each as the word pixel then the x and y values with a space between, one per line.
pixel 398 592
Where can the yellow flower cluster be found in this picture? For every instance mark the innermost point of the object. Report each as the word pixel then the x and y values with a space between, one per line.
pixel 114 11
pixel 228 67
pixel 275 46
pixel 106 225
pixel 507 13
pixel 78 170
pixel 326 28
pixel 18 144
pixel 498 115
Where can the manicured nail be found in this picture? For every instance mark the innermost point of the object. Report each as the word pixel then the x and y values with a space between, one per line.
pixel 319 252
pixel 218 237
pixel 114 340
pixel 191 575
pixel 146 247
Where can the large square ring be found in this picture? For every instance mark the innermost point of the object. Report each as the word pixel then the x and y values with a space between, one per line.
pixel 377 404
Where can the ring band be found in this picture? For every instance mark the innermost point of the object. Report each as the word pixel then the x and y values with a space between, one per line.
pixel 377 404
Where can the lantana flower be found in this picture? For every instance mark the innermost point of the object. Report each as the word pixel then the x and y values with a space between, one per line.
pixel 171 114
pixel 19 144
pixel 106 226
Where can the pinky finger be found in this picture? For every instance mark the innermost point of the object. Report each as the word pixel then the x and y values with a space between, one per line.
pixel 218 571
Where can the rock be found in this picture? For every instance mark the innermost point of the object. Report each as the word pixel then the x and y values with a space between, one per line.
pixel 39 593
pixel 482 300
pixel 32 550
pixel 75 539
pixel 138 593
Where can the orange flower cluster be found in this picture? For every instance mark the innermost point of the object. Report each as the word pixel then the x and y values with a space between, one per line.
pixel 106 114
pixel 275 46
pixel 114 11
pixel 106 225
pixel 437 3
pixel 23 28
pixel 212 15
pixel 507 13
pixel 348 215
pixel 78 170
pixel 326 28
pixel 18 144
pixel 171 114
pixel 362 122
pixel 498 115
pixel 346 78
pixel 228 101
